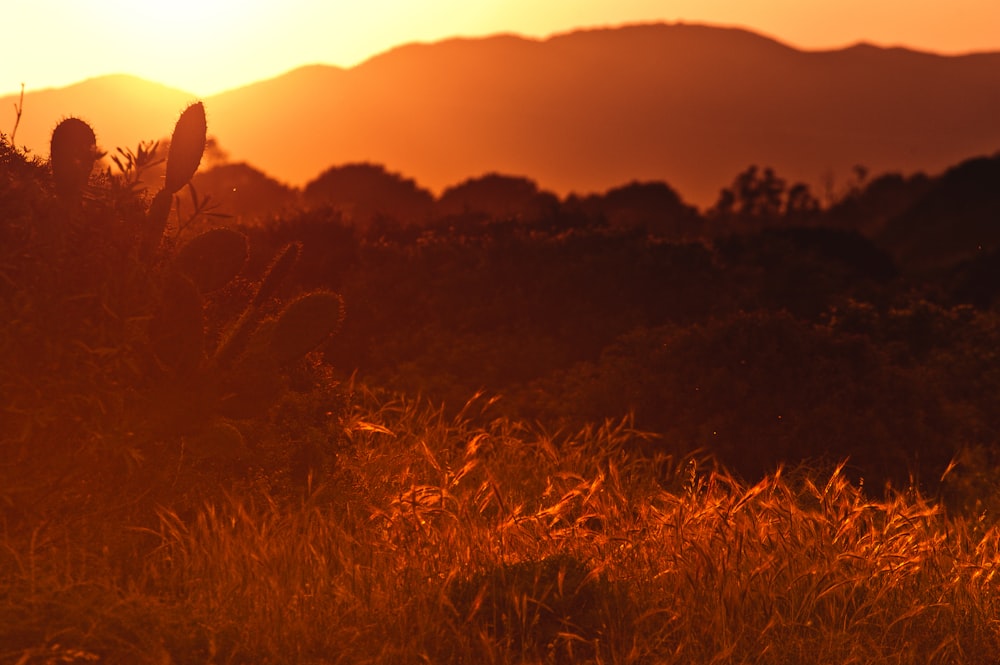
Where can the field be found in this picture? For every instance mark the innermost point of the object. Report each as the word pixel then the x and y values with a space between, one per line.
pixel 489 439
pixel 442 540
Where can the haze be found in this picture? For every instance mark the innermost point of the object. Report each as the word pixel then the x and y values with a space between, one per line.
pixel 208 46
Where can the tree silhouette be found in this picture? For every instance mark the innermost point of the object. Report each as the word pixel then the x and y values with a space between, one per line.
pixel 498 197
pixel 868 209
pixel 245 192
pixel 759 198
pixel 954 220
pixel 366 192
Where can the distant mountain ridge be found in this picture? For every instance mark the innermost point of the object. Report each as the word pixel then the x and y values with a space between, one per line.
pixel 584 111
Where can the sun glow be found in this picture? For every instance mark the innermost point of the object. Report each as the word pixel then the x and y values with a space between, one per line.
pixel 189 44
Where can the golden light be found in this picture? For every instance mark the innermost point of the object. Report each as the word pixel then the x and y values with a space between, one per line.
pixel 163 23
pixel 189 44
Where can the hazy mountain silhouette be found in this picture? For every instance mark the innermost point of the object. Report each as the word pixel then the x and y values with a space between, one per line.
pixel 122 109
pixel 687 104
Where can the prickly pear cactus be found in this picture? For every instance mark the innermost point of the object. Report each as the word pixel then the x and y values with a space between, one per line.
pixel 195 378
pixel 277 272
pixel 187 144
pixel 304 324
pixel 238 337
pixel 213 259
pixel 73 151
pixel 186 147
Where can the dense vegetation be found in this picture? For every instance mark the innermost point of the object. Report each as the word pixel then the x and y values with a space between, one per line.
pixel 607 429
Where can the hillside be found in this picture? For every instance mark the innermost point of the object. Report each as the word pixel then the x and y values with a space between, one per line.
pixel 691 105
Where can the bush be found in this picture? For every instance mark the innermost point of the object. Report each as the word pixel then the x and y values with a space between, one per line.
pixel 765 388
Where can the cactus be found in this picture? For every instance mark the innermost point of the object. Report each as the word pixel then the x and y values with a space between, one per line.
pixel 187 144
pixel 156 222
pixel 194 390
pixel 73 151
pixel 213 259
pixel 186 147
pixel 239 335
pixel 304 324
pixel 277 272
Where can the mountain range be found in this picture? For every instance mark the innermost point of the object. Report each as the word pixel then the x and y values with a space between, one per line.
pixel 691 105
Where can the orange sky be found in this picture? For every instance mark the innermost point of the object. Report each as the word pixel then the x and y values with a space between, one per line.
pixel 205 46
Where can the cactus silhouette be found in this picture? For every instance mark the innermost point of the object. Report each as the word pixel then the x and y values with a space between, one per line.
pixel 195 385
pixel 186 147
pixel 187 144
pixel 73 151
pixel 277 272
pixel 213 259
pixel 239 335
pixel 304 324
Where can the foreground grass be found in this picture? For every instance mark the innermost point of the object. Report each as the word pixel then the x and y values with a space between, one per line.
pixel 443 541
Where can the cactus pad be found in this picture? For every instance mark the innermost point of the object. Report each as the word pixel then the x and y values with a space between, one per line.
pixel 186 147
pixel 73 152
pixel 304 324
pixel 213 258
pixel 277 272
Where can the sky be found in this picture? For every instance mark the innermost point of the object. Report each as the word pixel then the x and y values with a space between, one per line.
pixel 207 46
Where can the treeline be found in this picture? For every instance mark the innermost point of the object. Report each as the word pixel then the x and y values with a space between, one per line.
pixel 897 211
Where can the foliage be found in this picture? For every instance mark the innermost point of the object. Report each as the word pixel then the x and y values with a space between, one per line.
pixel 759 198
pixel 953 220
pixel 760 390
pixel 575 321
pixel 496 196
pixel 805 270
pixel 651 207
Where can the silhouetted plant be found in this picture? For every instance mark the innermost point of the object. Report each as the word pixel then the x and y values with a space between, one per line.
pixel 653 207
pixel 759 198
pixel 497 197
pixel 73 153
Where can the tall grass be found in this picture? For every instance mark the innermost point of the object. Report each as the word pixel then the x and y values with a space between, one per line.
pixel 472 540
